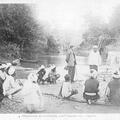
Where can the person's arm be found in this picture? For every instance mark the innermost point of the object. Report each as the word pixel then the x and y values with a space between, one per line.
pixel 67 57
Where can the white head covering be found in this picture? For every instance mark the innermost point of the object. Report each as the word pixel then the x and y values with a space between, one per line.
pixel 8 65
pixel 53 66
pixel 3 66
pixel 11 71
pixel 32 77
pixel 41 67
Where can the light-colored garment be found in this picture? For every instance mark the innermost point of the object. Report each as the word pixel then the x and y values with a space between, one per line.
pixel 32 96
pixel 2 75
pixel 70 58
pixel 94 58
pixel 66 89
pixel 8 84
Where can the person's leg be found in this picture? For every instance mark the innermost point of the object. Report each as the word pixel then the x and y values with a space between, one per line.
pixel 72 73
pixel 60 93
pixel 73 92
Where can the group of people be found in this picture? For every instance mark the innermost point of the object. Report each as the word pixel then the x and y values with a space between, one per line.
pixel 47 74
pixel 32 94
pixel 92 87
pixel 30 88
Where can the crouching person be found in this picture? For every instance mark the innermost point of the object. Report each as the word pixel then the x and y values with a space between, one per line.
pixel 91 88
pixel 9 85
pixel 66 90
pixel 113 89
pixel 33 99
pixel 53 76
pixel 41 72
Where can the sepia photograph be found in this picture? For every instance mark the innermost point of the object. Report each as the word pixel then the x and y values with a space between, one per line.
pixel 60 57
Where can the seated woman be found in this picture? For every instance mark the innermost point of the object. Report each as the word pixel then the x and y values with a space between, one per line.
pixel 66 90
pixel 113 89
pixel 33 99
pixel 91 88
pixel 41 72
pixel 53 76
pixel 9 85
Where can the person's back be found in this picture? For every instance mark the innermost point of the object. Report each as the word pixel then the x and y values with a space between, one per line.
pixel 66 89
pixel 91 85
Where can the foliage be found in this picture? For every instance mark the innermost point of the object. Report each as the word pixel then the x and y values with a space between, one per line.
pixel 102 33
pixel 20 33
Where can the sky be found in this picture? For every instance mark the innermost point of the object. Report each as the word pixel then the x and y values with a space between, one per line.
pixel 66 18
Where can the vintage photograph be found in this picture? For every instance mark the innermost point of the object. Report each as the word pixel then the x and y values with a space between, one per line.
pixel 60 57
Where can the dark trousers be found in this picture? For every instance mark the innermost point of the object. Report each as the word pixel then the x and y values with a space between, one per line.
pixel 71 72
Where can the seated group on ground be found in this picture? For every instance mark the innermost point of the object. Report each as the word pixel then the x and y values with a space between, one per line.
pixel 30 90
pixel 48 74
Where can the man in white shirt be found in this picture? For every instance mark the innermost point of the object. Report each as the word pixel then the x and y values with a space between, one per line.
pixel 94 58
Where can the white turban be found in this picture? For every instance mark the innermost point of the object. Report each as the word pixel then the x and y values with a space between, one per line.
pixel 11 71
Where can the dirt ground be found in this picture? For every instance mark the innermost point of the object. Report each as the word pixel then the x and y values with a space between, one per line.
pixel 54 104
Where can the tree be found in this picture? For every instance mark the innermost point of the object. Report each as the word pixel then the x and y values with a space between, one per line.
pixel 18 27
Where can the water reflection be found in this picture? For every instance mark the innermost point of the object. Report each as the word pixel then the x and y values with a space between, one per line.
pixel 57 60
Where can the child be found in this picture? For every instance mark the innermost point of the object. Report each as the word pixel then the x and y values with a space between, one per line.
pixel 33 99
pixel 66 89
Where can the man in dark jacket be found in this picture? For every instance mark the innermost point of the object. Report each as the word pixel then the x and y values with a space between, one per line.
pixel 91 87
pixel 71 62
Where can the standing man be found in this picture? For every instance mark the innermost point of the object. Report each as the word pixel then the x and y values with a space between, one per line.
pixel 94 58
pixel 71 62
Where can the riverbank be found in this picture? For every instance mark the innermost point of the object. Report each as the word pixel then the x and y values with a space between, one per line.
pixel 53 104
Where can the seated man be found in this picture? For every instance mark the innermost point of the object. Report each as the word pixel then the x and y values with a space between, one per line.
pixel 91 88
pixel 66 90
pixel 41 72
pixel 113 89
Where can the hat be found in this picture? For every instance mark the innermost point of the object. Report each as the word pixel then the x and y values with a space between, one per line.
pixel 11 70
pixel 32 77
pixel 116 75
pixel 71 46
